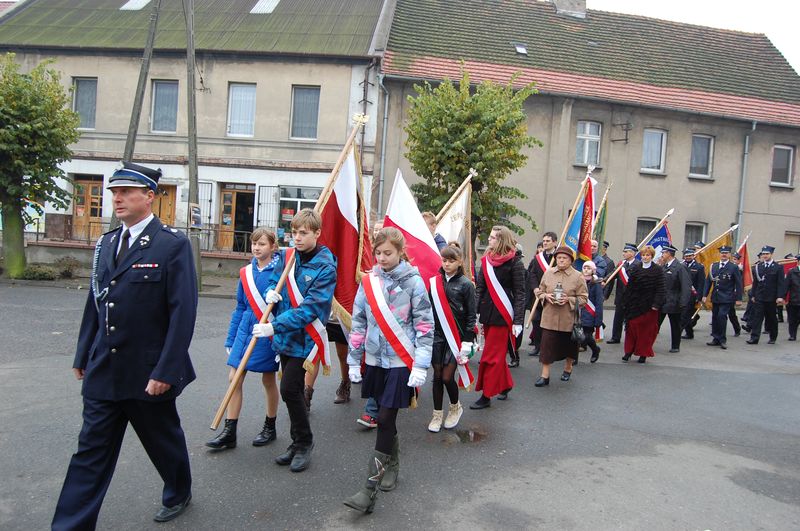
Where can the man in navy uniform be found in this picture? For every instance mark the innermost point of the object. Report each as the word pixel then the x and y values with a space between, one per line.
pixel 726 280
pixel 133 353
pixel 610 266
pixel 678 288
pixel 697 274
pixel 733 317
pixel 767 293
pixel 539 264
pixel 628 259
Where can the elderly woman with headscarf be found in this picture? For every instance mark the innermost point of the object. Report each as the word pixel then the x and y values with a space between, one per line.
pixel 642 303
pixel 561 292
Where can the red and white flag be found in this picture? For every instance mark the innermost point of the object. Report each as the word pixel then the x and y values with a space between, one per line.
pixel 344 232
pixel 403 213
pixel 454 223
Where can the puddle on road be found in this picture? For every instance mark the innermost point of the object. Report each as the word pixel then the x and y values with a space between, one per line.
pixel 473 434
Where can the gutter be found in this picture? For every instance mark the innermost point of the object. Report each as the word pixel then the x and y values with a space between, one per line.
pixel 383 143
pixel 743 180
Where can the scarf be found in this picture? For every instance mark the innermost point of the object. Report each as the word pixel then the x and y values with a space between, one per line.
pixel 497 260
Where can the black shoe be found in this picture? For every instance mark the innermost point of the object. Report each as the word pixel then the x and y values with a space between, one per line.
pixel 746 328
pixel 737 333
pixel 752 341
pixel 268 433
pixel 674 350
pixel 595 355
pixel 723 346
pixel 627 357
pixel 531 343
pixel 765 332
pixel 641 359
pixel 504 394
pixel 481 403
pixel 792 339
pixel 165 514
pixel 285 459
pixel 714 343
pixel 771 342
pixel 513 363
pixel 301 459
pixel 226 438
pixel 542 381
pixel 534 352
pixel 612 341
pixel 685 336
pixel 565 376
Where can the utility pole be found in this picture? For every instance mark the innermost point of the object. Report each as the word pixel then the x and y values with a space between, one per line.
pixel 133 127
pixel 191 93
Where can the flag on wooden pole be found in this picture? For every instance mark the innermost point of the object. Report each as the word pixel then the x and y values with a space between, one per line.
pixel 454 221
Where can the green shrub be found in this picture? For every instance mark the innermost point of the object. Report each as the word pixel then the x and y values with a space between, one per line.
pixel 66 266
pixel 39 272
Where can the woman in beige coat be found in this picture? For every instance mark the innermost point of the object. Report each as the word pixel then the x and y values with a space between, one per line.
pixel 561 291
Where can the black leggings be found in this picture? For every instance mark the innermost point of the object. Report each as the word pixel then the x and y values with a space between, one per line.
pixel 443 377
pixel 387 429
pixel 590 342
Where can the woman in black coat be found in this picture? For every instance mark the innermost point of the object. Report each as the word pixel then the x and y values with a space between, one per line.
pixel 793 296
pixel 642 302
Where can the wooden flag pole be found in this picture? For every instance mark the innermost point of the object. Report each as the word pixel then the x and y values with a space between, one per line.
pixel 708 246
pixel 646 239
pixel 561 238
pixel 455 195
pixel 603 203
pixel 360 120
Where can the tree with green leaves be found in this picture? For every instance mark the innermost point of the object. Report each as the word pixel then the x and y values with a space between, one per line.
pixel 454 128
pixel 37 127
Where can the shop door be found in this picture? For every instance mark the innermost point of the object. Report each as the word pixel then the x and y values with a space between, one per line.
pixel 87 208
pixel 237 203
pixel 164 204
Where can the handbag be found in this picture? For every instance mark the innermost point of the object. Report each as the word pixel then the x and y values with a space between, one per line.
pixel 578 335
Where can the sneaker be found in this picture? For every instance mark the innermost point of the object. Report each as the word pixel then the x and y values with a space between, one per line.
pixel 453 416
pixel 436 421
pixel 367 421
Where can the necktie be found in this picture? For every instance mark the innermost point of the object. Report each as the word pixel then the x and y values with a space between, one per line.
pixel 123 248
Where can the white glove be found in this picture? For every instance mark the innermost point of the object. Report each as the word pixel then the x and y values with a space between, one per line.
pixel 228 350
pixel 263 330
pixel 417 377
pixel 354 373
pixel 272 297
pixel 516 330
pixel 463 355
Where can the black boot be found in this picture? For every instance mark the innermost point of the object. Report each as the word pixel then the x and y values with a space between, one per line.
pixel 268 433
pixel 227 438
pixel 308 393
pixel 364 499
pixel 514 359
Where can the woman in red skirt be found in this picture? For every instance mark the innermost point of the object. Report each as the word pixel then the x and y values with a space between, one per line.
pixel 500 292
pixel 642 303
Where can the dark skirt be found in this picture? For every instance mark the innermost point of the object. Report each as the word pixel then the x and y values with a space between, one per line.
pixel 442 354
pixel 557 346
pixel 389 387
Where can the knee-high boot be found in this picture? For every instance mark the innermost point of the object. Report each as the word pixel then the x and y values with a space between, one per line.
pixel 364 499
pixel 389 480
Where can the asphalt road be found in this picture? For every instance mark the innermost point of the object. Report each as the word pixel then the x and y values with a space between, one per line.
pixel 703 439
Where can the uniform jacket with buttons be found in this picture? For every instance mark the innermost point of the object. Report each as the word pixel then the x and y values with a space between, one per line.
pixel 793 287
pixel 619 295
pixel 697 274
pixel 316 280
pixel 140 325
pixel 726 281
pixel 768 282
pixel 678 287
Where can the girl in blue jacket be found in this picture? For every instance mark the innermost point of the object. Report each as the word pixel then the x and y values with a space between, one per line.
pixel 263 359
pixel 590 321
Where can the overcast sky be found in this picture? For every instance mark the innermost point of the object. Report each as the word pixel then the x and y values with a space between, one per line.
pixel 778 19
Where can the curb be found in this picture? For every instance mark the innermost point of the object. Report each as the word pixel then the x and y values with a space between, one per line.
pixel 82 287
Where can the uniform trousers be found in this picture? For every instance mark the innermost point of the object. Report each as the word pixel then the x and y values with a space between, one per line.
pixel 292 383
pixel 719 321
pixel 104 423
pixel 675 321
pixel 619 320
pixel 764 312
pixel 734 319
pixel 793 315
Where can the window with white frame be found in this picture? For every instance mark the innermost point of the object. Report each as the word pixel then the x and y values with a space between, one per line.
pixel 241 109
pixel 693 232
pixel 782 165
pixel 587 144
pixel 700 164
pixel 164 114
pixel 292 200
pixel 305 112
pixel 643 227
pixel 654 148
pixel 84 100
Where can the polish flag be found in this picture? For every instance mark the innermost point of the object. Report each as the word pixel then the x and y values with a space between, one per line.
pixel 343 221
pixel 403 213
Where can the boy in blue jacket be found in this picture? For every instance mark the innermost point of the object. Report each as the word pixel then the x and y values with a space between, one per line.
pixel 314 272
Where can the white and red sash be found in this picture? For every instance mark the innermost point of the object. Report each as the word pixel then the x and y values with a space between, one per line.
pixel 450 329
pixel 391 329
pixel 321 351
pixel 542 261
pixel 623 276
pixel 256 300
pixel 591 308
pixel 499 297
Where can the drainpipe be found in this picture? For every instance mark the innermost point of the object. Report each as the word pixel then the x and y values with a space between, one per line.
pixel 745 158
pixel 383 142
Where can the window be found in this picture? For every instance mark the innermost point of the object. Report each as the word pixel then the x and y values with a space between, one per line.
pixel 694 232
pixel 241 109
pixel 85 100
pixel 587 146
pixel 654 150
pixel 305 112
pixel 643 228
pixel 164 115
pixel 293 199
pixel 702 156
pixel 791 243
pixel 782 162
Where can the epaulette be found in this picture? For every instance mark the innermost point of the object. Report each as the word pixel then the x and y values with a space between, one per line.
pixel 170 230
pixel 111 230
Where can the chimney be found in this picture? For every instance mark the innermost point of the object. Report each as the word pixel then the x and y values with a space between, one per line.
pixel 573 8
